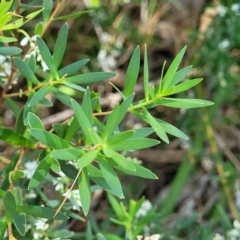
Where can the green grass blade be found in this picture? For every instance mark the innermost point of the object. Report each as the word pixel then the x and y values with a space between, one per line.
pixel 146 74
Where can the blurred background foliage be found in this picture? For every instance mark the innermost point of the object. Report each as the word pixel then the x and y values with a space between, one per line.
pixel 198 191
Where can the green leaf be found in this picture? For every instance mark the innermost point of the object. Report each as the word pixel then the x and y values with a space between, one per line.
pixel 73 15
pixel 34 121
pixel 116 206
pixel 7 39
pixel 9 136
pixel 33 15
pixel 9 51
pixel 68 154
pixel 72 68
pixel 49 139
pixel 184 103
pixel 96 176
pixel 16 174
pixel 134 144
pixel 139 172
pixel 147 117
pixel 62 97
pixel 69 170
pixel 9 205
pixel 132 72
pixel 19 221
pixel 32 62
pixel 61 234
pixel 74 86
pixel 46 56
pixel 12 106
pixel 25 70
pixel 84 190
pixel 38 30
pixel 167 80
pixel 122 161
pixel 5 5
pixel 170 129
pixel 72 129
pixel 56 166
pixel 111 178
pixel 88 78
pixel 13 25
pixel 41 172
pixel 87 104
pixel 47 10
pixel 142 132
pixel 180 75
pixel 146 74
pixel 87 158
pixel 120 137
pixel 41 212
pixel 186 85
pixel 60 46
pixel 39 95
pixel 60 129
pixel 84 123
pixel 111 124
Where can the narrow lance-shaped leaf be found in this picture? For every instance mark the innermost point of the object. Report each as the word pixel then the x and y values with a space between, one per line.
pixel 19 221
pixel 122 161
pixel 87 104
pixel 72 68
pixel 184 103
pixel 47 5
pixel 170 129
pixel 25 70
pixel 60 46
pixel 146 74
pixel 111 178
pixel 172 70
pixel 139 172
pixel 41 172
pixel 186 85
pixel 68 154
pixel 111 124
pixel 147 117
pixel 9 204
pixel 73 15
pixel 120 137
pixel 132 72
pixel 88 78
pixel 180 75
pixel 49 139
pixel 87 158
pixel 12 106
pixel 62 97
pixel 5 6
pixel 84 190
pixel 9 136
pixel 39 95
pixel 32 15
pixel 84 122
pixel 47 57
pixel 9 51
pixel 41 212
pixel 34 121
pixel 134 144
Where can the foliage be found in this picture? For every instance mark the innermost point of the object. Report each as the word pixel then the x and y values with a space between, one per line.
pixel 86 150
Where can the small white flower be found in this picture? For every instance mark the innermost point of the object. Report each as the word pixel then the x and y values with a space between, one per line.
pixel 236 225
pixel 224 44
pixel 74 197
pixel 31 195
pixel 30 168
pixel 37 235
pixel 218 237
pixel 146 206
pixel 41 224
pixel 24 41
pixel 221 10
pixel 235 7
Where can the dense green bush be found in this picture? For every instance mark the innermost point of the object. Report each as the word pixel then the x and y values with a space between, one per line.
pixel 85 153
